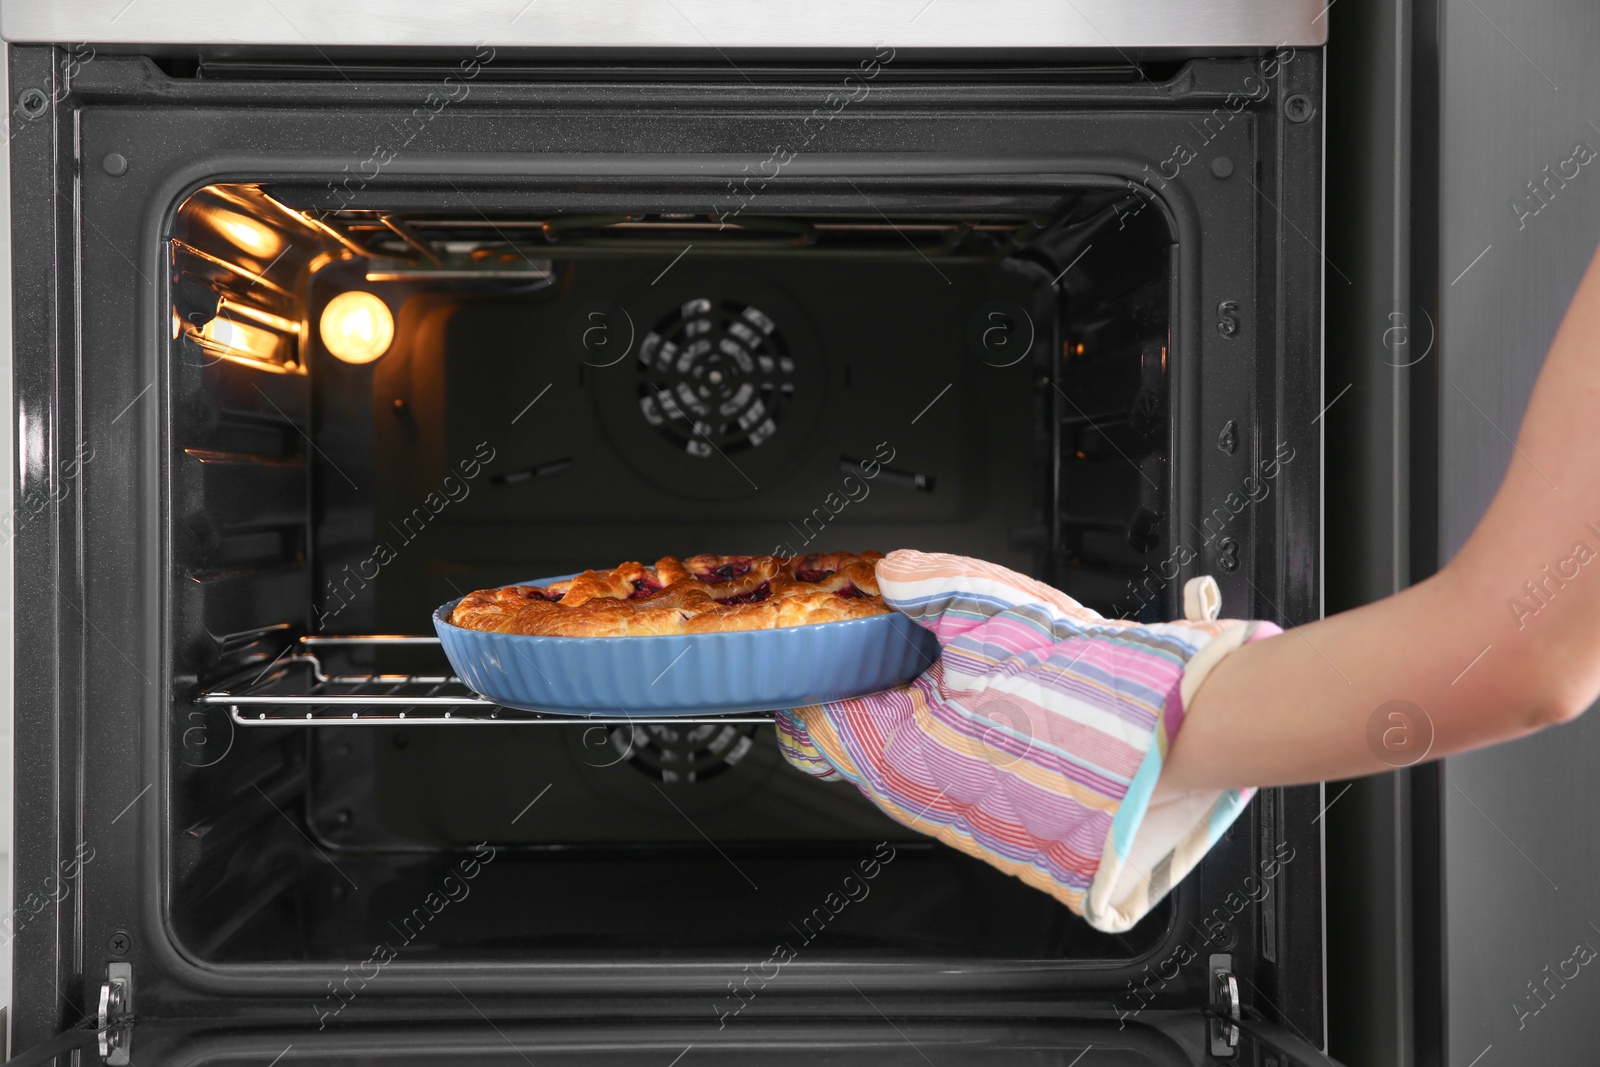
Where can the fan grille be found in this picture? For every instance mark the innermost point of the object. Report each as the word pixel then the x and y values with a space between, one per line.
pixel 688 753
pixel 715 375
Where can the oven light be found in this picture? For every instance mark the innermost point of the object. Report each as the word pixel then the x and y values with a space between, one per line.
pixel 232 310
pixel 357 327
pixel 248 234
pixel 242 339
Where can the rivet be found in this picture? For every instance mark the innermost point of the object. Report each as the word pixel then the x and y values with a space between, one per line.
pixel 1222 166
pixel 115 164
pixel 32 102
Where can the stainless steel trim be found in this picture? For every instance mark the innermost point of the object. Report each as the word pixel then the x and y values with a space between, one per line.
pixel 8 434
pixel 702 24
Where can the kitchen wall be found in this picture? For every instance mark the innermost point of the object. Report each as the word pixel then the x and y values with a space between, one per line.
pixel 1520 104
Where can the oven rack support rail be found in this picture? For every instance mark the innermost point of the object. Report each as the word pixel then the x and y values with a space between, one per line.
pixel 295 690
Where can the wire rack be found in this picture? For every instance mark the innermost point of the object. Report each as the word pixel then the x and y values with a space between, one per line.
pixel 295 689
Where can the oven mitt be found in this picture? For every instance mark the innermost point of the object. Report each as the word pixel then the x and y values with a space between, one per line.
pixel 1035 742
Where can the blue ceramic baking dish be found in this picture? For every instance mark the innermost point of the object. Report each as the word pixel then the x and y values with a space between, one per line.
pixel 688 674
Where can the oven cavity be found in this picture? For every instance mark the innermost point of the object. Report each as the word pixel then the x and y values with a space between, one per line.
pixel 378 409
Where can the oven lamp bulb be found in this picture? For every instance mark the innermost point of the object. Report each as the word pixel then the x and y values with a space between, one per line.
pixel 357 327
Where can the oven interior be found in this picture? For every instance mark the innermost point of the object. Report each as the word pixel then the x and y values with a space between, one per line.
pixel 575 380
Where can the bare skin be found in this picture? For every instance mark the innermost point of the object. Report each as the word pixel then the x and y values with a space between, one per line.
pixel 1295 708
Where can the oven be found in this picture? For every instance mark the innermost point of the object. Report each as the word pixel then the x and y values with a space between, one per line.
pixel 311 338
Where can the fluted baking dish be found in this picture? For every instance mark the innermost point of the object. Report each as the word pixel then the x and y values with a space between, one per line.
pixel 687 674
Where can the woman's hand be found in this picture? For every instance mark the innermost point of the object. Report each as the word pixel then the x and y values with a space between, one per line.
pixel 1036 741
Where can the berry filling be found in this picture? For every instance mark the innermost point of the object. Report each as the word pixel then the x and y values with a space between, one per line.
pixel 726 573
pixel 850 592
pixel 754 596
pixel 540 594
pixel 811 575
pixel 642 588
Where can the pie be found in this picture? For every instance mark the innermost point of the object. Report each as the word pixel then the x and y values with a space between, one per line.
pixel 698 595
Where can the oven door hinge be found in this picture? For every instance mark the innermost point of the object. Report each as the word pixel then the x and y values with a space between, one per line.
pixel 115 1027
pixel 1223 1019
pixel 111 1033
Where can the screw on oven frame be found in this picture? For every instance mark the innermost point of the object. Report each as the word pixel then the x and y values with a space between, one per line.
pixel 1298 108
pixel 32 102
pixel 119 943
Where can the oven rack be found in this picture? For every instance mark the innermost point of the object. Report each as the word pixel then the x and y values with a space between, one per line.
pixel 294 689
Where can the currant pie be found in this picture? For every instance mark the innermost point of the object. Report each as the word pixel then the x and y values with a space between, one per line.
pixel 701 594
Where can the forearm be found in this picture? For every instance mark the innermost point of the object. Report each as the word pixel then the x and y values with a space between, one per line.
pixel 1297 707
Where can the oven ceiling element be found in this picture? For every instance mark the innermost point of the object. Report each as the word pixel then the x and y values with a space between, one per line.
pixel 692 24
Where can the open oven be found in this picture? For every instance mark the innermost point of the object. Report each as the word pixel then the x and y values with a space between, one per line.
pixel 304 351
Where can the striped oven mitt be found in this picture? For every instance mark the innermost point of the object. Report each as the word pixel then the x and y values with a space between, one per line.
pixel 1036 741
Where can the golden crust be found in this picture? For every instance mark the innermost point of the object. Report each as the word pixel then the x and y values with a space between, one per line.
pixel 803 609
pixel 701 594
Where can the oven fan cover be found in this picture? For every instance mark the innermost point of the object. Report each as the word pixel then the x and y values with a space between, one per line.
pixel 691 752
pixel 715 376
pixel 723 389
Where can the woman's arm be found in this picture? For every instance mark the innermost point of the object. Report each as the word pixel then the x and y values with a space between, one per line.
pixel 1296 707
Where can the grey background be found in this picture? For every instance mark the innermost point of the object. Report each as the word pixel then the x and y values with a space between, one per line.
pixel 1521 85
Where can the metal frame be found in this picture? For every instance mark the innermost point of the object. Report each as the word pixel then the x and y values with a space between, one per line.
pixel 701 25
pixel 1386 981
pixel 83 709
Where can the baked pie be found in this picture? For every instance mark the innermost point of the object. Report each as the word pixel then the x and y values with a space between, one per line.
pixel 698 595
